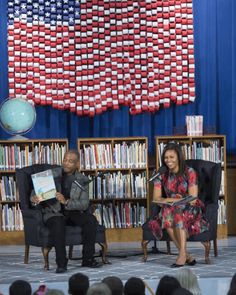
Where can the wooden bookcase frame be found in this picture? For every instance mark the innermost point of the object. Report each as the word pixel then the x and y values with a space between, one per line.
pixel 118 234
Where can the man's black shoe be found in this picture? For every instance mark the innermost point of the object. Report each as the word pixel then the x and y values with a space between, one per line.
pixel 91 263
pixel 61 269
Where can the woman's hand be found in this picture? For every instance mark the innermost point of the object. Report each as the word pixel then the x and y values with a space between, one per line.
pixel 192 203
pixel 178 196
pixel 165 200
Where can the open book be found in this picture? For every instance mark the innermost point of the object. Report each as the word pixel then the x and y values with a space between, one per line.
pixel 178 202
pixel 44 185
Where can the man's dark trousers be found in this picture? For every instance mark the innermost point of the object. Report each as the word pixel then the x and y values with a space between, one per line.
pixel 88 224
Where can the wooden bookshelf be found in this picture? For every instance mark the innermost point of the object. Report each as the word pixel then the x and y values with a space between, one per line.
pixel 120 194
pixel 207 147
pixel 17 154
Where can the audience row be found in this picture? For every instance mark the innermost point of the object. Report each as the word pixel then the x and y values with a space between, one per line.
pixel 183 283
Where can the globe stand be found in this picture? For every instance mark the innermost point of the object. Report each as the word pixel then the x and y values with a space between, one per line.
pixel 18 137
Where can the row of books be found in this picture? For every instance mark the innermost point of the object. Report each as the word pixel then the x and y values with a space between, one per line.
pixel 210 151
pixel 221 212
pixel 124 215
pixel 18 156
pixel 118 186
pixel 7 188
pixel 95 156
pixel 133 155
pixel 194 125
pixel 11 218
pixel 109 186
pixel 121 155
pixel 51 154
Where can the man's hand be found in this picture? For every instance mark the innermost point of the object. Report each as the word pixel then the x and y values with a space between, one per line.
pixel 61 198
pixel 36 199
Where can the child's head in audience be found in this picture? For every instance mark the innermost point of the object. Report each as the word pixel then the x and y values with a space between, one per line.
pixel 188 280
pixel 99 289
pixel 78 284
pixel 115 284
pixel 20 287
pixel 167 285
pixel 134 286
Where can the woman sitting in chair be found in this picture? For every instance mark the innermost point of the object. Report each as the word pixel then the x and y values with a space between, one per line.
pixel 180 221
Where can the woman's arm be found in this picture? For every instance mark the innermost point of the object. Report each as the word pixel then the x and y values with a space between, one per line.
pixel 192 184
pixel 157 196
pixel 193 190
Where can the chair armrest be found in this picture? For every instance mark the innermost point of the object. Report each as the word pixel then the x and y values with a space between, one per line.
pixel 33 215
pixel 211 210
pixel 211 215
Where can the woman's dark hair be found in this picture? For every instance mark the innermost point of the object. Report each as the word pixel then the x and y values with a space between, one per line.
pixel 167 285
pixel 172 146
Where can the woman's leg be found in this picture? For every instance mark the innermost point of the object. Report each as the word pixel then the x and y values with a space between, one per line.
pixel 171 234
pixel 181 236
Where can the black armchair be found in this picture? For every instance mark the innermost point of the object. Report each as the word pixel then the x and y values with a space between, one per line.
pixel 36 233
pixel 209 180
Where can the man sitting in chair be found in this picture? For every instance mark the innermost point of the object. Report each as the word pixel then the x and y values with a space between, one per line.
pixel 70 207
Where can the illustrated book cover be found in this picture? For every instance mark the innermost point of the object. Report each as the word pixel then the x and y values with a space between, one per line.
pixel 44 185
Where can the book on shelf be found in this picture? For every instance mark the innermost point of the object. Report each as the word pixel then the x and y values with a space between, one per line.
pixel 44 185
pixel 178 202
pixel 221 217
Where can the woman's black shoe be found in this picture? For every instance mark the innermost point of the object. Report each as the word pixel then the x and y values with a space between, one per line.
pixel 175 265
pixel 191 263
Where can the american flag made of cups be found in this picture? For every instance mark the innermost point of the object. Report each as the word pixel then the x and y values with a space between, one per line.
pixel 88 56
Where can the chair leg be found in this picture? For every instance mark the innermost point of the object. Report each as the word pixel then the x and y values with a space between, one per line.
pixel 70 254
pixel 207 246
pixel 145 252
pixel 104 253
pixel 168 247
pixel 215 248
pixel 154 248
pixel 26 258
pixel 45 251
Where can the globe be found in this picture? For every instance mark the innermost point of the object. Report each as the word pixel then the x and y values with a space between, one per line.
pixel 17 116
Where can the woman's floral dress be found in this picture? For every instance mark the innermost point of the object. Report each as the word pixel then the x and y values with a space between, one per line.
pixel 189 217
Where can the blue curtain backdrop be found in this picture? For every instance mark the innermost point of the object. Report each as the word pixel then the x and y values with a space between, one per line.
pixel 215 60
